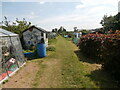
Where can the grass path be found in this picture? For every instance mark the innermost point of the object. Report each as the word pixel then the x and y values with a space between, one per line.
pixel 64 69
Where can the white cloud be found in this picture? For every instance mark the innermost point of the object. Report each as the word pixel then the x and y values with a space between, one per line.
pixel 64 18
pixel 98 7
pixel 88 3
pixel 80 6
pixel 41 2
pixel 31 15
pixel 13 0
pixel 86 15
pixel 69 21
pixel 88 18
pixel 119 7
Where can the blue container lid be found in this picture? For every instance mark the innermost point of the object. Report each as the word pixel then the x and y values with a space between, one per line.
pixel 28 53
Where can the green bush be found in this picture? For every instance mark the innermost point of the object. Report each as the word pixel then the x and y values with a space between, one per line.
pixel 104 49
pixel 25 51
pixel 51 48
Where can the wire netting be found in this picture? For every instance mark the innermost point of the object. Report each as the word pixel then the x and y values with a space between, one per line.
pixel 11 56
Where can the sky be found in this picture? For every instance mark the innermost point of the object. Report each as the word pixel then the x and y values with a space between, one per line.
pixel 84 14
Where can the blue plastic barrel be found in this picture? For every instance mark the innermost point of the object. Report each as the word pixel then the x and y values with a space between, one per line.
pixel 41 50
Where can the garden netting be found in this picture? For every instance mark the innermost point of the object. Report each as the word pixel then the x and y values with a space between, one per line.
pixel 11 56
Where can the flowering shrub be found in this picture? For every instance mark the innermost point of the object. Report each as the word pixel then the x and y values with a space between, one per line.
pixel 90 45
pixel 103 48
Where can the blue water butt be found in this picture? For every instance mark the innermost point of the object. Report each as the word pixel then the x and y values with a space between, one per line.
pixel 41 50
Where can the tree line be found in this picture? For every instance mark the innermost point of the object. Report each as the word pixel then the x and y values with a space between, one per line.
pixel 18 26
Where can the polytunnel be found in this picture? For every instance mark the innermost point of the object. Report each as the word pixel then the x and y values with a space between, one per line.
pixel 11 55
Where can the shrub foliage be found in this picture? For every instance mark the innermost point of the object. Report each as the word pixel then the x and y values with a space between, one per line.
pixel 51 48
pixel 104 49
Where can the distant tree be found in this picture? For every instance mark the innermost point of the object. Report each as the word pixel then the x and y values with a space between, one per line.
pixel 53 30
pixel 111 22
pixel 18 26
pixel 60 30
pixel 64 30
pixel 75 29
pixel 56 30
pixel 84 31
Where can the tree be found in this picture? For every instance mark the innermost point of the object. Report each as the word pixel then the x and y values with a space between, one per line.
pixel 64 30
pixel 75 29
pixel 18 26
pixel 84 31
pixel 60 30
pixel 53 30
pixel 111 22
pixel 117 22
pixel 56 30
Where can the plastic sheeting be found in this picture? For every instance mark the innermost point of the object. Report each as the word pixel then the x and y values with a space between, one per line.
pixel 11 56
pixel 76 40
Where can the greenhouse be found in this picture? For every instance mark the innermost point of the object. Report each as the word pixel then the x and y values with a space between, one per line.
pixel 11 56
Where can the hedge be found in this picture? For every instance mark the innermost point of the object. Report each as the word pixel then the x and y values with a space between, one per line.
pixel 105 49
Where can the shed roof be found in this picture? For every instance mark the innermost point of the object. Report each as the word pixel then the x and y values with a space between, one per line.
pixel 6 33
pixel 40 29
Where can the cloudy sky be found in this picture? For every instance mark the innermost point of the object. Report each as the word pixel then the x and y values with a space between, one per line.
pixel 46 14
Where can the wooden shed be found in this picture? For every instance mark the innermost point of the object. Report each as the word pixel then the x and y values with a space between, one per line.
pixel 34 35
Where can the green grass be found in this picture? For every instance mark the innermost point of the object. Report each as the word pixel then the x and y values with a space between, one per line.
pixel 52 41
pixel 51 48
pixel 75 72
pixel 69 39
pixel 38 75
pixel 42 66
